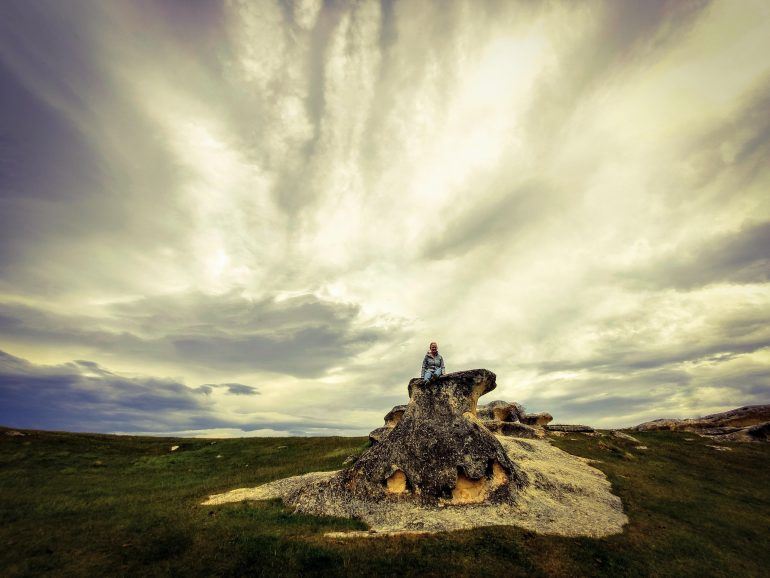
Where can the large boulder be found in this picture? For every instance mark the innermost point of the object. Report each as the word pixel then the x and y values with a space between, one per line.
pixel 439 450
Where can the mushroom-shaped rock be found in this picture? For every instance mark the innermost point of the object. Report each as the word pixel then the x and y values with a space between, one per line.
pixel 391 419
pixel 501 410
pixel 439 451
pixel 394 415
pixel 537 419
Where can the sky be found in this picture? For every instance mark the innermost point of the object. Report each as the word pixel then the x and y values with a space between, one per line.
pixel 251 218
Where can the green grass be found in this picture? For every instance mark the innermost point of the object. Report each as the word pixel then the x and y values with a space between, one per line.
pixel 97 505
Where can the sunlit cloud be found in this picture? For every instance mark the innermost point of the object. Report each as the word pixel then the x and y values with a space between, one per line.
pixel 264 211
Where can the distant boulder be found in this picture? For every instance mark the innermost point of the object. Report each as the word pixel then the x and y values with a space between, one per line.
pixel 541 419
pixel 501 411
pixel 659 424
pixel 753 433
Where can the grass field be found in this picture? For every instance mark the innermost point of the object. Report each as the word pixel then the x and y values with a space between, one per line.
pixel 98 505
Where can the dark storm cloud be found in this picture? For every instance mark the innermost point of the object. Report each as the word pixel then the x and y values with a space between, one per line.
pixel 300 336
pixel 82 395
pixel 75 160
pixel 741 256
pixel 85 396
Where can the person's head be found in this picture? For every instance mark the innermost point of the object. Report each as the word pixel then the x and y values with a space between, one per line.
pixel 433 347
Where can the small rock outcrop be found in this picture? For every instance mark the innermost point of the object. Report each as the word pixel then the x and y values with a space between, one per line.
pixel 570 428
pixel 501 411
pixel 391 420
pixel 537 419
pixel 750 423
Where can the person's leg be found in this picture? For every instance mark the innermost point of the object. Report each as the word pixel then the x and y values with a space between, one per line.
pixel 428 374
pixel 439 372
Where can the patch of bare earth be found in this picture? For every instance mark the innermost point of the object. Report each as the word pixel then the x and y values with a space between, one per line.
pixel 566 496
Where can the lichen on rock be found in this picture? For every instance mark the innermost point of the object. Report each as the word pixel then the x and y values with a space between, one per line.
pixel 437 443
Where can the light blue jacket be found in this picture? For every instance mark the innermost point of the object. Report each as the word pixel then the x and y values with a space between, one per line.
pixel 430 362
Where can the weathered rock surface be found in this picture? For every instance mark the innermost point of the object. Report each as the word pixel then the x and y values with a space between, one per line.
pixel 513 429
pixel 748 423
pixel 754 433
pixel 394 416
pixel 379 434
pixel 501 411
pixel 442 463
pixel 438 450
pixel 566 497
pixel 391 420
pixel 540 419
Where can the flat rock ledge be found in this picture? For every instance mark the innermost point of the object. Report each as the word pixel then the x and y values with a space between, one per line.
pixel 566 496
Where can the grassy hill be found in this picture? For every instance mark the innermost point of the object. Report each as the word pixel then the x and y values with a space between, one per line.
pixel 99 505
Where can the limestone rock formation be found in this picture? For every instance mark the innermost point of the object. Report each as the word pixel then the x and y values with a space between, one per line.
pixel 441 462
pixel 748 423
pixel 541 419
pixel 501 411
pixel 438 450
pixel 513 429
pixel 391 419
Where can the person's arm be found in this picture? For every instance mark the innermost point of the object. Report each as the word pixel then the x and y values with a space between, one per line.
pixel 424 365
pixel 443 369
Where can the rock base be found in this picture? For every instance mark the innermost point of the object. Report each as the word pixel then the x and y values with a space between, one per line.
pixel 566 497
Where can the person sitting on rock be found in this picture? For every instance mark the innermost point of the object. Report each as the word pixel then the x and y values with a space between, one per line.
pixel 433 364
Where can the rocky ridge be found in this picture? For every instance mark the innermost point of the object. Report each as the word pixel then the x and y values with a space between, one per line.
pixel 750 423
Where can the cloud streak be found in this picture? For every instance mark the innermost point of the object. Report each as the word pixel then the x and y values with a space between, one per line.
pixel 282 203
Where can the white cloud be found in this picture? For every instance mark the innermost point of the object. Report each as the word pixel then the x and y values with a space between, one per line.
pixel 568 195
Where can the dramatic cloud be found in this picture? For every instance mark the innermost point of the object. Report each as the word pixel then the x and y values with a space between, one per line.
pixel 280 204
pixel 300 336
pixel 84 396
